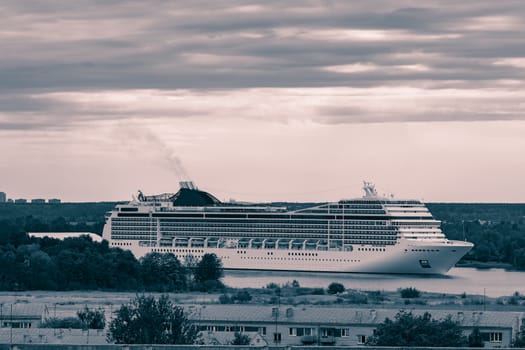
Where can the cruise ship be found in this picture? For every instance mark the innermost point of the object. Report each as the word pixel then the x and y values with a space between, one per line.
pixel 372 234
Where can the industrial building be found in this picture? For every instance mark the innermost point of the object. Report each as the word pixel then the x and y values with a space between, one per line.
pixel 337 326
pixel 21 315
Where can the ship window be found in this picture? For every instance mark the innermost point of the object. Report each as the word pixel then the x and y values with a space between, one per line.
pixel 129 209
pixel 424 264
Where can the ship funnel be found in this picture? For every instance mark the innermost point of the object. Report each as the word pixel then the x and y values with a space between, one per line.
pixel 189 185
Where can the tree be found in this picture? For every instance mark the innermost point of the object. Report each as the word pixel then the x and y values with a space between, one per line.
pixel 475 340
pixel 92 319
pixel 208 272
pixel 519 342
pixel 518 258
pixel 409 330
pixel 163 273
pixel 240 339
pixel 410 292
pixel 335 288
pixel 241 297
pixel 68 322
pixel 146 320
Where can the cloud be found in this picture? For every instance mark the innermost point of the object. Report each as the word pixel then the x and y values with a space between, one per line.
pixel 93 45
pixel 53 54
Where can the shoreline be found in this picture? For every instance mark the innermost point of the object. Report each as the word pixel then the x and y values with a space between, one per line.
pixel 66 303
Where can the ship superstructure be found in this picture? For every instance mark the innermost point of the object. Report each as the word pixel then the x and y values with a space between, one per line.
pixel 372 234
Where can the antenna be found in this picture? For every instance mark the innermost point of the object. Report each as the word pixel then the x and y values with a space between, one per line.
pixel 370 189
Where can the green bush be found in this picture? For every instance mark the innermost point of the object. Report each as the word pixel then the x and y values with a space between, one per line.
pixel 335 288
pixel 67 322
pixel 410 292
pixel 317 291
pixel 408 330
pixel 240 339
pixel 92 319
pixel 225 299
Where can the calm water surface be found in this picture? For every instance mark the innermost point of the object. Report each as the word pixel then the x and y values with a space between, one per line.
pixel 492 282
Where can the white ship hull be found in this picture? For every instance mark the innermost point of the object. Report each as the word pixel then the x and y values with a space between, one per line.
pixel 403 258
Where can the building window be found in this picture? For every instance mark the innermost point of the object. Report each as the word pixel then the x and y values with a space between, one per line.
pixel 361 339
pixel 496 337
pixel 299 332
pixel 277 337
pixel 345 332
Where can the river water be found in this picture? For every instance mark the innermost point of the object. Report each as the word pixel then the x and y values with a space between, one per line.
pixel 491 282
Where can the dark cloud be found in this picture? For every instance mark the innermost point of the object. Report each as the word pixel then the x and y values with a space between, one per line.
pixel 353 115
pixel 25 104
pixel 92 45
pixel 52 112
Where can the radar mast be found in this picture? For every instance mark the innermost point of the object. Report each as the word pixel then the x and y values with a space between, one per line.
pixel 370 189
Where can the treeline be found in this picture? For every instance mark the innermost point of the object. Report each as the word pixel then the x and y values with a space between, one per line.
pixel 86 211
pixel 79 263
pixel 63 217
pixel 497 230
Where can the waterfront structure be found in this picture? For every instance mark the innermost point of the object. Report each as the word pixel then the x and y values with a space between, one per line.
pixel 20 201
pixel 54 201
pixel 3 197
pixel 38 201
pixel 372 234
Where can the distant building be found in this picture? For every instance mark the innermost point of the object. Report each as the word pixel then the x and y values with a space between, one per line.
pixel 54 201
pixel 3 197
pixel 21 315
pixel 20 201
pixel 20 324
pixel 62 235
pixel 10 200
pixel 61 339
pixel 38 201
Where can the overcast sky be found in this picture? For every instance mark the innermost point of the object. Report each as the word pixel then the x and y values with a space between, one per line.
pixel 260 101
